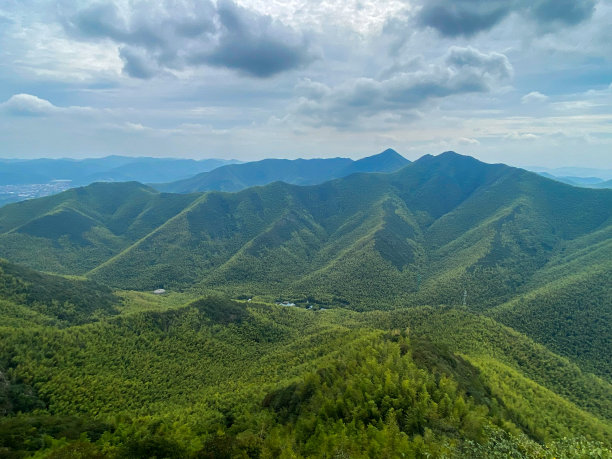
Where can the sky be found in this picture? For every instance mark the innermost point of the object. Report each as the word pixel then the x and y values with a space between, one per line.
pixel 524 82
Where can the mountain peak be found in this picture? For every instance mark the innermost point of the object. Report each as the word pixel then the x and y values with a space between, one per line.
pixel 450 153
pixel 448 157
pixel 388 152
pixel 386 161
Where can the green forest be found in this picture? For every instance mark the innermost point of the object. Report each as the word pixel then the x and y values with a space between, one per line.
pixel 449 309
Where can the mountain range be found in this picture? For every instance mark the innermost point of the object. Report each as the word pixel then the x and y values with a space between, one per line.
pixel 443 230
pixel 586 182
pixel 107 169
pixel 236 177
pixel 446 308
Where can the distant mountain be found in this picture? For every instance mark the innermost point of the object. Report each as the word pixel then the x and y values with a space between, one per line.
pixel 586 182
pixel 110 168
pixel 606 184
pixel 236 177
pixel 581 172
pixel 444 230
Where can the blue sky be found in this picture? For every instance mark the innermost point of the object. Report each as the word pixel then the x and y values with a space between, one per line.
pixel 514 81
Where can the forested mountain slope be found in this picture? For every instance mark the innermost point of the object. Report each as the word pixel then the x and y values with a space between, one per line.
pixel 75 231
pixel 449 309
pixel 444 230
pixel 215 378
pixel 235 177
pixel 28 297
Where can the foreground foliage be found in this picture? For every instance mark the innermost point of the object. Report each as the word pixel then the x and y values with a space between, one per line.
pixel 219 378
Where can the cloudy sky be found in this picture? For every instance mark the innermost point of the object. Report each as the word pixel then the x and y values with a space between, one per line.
pixel 526 82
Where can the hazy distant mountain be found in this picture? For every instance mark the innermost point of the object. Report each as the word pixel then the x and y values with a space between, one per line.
pixel 110 168
pixel 606 184
pixel 575 172
pixel 585 182
pixel 237 177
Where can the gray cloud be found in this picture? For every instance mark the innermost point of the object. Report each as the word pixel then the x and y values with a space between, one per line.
pixel 173 35
pixel 136 63
pixel 463 17
pixel 569 12
pixel 256 45
pixel 461 71
pixel 454 18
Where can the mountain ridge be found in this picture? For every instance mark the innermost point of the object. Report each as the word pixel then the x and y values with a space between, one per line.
pixel 235 177
pixel 451 307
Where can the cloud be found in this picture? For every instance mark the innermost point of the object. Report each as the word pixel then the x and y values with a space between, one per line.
pixel 255 44
pixel 461 71
pixel 174 35
pixel 534 97
pixel 28 105
pixel 454 18
pixel 521 136
pixel 136 63
pixel 568 12
pixel 462 17
pixel 468 141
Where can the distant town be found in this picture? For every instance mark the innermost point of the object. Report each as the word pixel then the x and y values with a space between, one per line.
pixel 15 193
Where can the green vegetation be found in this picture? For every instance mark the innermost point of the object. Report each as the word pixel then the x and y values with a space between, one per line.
pixel 58 300
pixel 222 378
pixel 511 357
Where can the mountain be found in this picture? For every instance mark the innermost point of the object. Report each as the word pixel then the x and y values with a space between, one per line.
pixel 78 229
pixel 27 297
pixel 445 230
pixel 448 309
pixel 107 169
pixel 579 172
pixel 220 378
pixel 236 177
pixel 606 184
pixel 587 182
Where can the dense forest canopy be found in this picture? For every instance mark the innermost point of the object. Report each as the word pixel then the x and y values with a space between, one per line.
pixel 448 309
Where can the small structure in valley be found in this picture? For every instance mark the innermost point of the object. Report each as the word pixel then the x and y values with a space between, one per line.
pixel 286 303
pixel 159 291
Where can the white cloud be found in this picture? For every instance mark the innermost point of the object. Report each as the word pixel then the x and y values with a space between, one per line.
pixel 28 105
pixel 534 97
pixel 468 141
pixel 32 106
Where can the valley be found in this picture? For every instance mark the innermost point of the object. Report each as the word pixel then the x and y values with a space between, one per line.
pixel 458 309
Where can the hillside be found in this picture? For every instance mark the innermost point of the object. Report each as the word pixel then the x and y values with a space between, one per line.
pixel 215 378
pixel 445 230
pixel 75 231
pixel 450 308
pixel 28 297
pixel 237 177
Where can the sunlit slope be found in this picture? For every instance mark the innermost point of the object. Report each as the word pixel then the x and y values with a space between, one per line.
pixel 28 297
pixel 265 375
pixel 567 305
pixel 74 231
pixel 426 234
